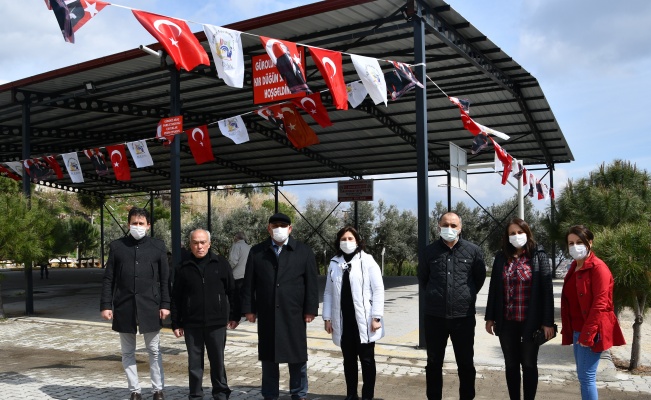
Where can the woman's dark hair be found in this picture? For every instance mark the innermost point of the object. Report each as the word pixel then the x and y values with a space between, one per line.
pixel 508 248
pixel 358 239
pixel 583 233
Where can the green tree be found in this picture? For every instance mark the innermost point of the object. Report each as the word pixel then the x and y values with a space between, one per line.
pixel 26 231
pixel 365 212
pixel 284 208
pixel 90 203
pixel 398 233
pixel 614 201
pixel 627 251
pixel 317 229
pixel 85 236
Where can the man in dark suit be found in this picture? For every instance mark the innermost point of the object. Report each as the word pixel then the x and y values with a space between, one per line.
pixel 135 294
pixel 280 291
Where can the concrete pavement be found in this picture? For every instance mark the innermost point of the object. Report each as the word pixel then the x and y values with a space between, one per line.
pixel 65 351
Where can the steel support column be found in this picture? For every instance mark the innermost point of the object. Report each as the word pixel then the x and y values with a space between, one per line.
pixel 101 231
pixel 151 213
pixel 552 215
pixel 27 191
pixel 175 168
pixel 356 217
pixel 276 197
pixel 209 205
pixel 421 155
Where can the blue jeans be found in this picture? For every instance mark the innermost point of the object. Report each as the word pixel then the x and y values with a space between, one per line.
pixel 587 362
pixel 271 376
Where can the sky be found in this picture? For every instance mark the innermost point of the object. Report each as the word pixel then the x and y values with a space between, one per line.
pixel 592 59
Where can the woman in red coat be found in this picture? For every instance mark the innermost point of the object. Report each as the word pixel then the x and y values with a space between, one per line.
pixel 589 322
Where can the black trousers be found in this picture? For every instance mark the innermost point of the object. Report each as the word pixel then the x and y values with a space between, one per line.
pixel 213 339
pixel 352 348
pixel 518 352
pixel 462 333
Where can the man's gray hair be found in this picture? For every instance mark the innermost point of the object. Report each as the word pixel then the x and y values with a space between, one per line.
pixel 198 229
pixel 240 236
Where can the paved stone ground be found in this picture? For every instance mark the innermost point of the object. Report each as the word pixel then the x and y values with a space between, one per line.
pixel 65 351
pixel 47 359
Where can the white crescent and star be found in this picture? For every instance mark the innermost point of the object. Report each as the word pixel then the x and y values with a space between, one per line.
pixel 91 8
pixel 160 22
pixel 311 110
pixel 199 130
pixel 328 61
pixel 116 163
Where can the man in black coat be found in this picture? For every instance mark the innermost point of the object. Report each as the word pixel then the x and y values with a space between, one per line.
pixel 203 306
pixel 280 290
pixel 450 276
pixel 135 293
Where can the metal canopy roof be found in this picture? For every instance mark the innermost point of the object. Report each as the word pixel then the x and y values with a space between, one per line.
pixel 133 94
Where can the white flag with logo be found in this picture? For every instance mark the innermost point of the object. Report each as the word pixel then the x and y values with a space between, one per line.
pixel 71 161
pixel 370 73
pixel 17 166
pixel 234 129
pixel 226 48
pixel 356 93
pixel 140 153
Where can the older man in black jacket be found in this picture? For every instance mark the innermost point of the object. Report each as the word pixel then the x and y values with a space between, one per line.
pixel 280 290
pixel 135 293
pixel 451 275
pixel 203 305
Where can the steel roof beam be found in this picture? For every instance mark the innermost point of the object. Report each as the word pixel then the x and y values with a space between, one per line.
pixel 446 33
pixel 398 130
pixel 273 134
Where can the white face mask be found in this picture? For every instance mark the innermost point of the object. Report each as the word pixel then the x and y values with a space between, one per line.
pixel 280 234
pixel 578 252
pixel 449 234
pixel 138 232
pixel 518 240
pixel 347 246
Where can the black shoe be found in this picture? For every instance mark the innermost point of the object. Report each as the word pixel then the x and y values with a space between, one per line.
pixel 353 397
pixel 135 396
pixel 159 395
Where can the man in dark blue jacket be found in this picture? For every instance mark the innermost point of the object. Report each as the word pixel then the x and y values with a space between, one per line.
pixel 135 294
pixel 450 277
pixel 204 301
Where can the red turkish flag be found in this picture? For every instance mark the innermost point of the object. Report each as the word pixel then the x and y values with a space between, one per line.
pixel 200 145
pixel 297 130
pixel 274 115
pixel 330 65
pixel 505 158
pixel 177 39
pixel 312 105
pixel 118 158
pixel 55 166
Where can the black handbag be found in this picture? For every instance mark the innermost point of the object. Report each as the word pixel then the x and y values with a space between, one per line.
pixel 539 335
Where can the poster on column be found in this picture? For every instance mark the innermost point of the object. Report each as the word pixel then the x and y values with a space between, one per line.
pixel 268 85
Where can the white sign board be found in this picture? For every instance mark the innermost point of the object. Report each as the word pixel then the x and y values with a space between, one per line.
pixel 355 190
pixel 458 164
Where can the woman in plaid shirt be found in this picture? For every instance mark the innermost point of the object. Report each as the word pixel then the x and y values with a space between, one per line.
pixel 520 301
